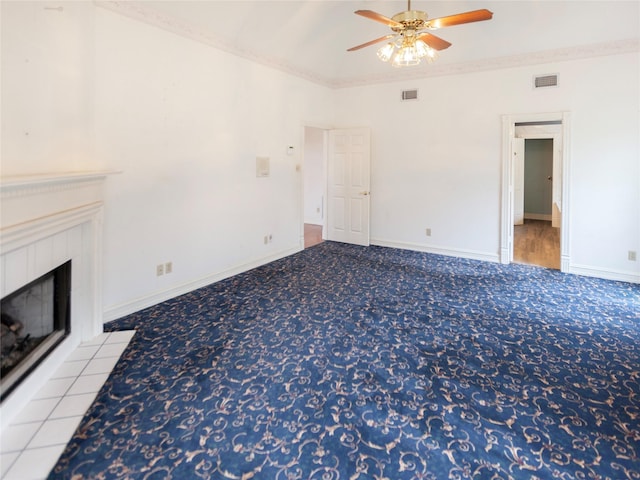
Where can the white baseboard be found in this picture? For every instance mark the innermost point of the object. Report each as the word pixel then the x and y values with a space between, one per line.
pixel 117 311
pixel 606 274
pixel 450 252
pixel 538 216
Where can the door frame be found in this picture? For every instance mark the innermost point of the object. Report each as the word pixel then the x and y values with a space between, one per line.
pixel 300 168
pixel 507 192
pixel 300 165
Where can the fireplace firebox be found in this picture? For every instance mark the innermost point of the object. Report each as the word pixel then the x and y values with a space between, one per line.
pixel 35 319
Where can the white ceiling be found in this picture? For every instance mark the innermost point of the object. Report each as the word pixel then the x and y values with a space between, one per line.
pixel 311 37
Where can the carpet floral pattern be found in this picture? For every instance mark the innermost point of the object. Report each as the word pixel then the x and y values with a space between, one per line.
pixel 346 362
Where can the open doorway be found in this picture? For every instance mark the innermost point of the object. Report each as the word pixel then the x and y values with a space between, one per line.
pixel 336 185
pixel 537 234
pixel 314 184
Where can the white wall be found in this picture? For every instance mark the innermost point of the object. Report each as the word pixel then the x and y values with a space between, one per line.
pixel 314 181
pixel 47 87
pixel 436 162
pixel 84 88
pixel 185 122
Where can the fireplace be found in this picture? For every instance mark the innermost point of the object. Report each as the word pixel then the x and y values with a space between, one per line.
pixel 50 246
pixel 35 319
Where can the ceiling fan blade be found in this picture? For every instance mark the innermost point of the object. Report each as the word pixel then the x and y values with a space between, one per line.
pixel 378 17
pixel 377 40
pixel 434 42
pixel 460 18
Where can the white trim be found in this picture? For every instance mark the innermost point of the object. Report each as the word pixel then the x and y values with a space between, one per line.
pixel 497 63
pixel 506 191
pixel 449 252
pixel 617 275
pixel 538 216
pixel 117 311
pixel 150 16
pixel 302 161
pixel 506 221
pixel 21 182
pixel 565 217
pixel 583 270
pixel 155 18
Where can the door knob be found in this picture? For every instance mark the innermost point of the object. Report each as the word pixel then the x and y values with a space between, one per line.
pixel 364 193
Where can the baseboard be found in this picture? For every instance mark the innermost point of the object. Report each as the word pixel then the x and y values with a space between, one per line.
pixel 505 256
pixel 450 252
pixel 583 270
pixel 606 274
pixel 118 311
pixel 538 216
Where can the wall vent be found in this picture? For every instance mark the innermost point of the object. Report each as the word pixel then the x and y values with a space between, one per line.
pixel 545 81
pixel 410 95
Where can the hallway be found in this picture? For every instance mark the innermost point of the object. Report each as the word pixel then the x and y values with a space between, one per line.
pixel 312 235
pixel 537 243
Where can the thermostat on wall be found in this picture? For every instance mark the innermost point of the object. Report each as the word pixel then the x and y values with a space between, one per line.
pixel 262 166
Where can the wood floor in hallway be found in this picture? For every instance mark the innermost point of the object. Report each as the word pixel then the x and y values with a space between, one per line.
pixel 537 243
pixel 312 235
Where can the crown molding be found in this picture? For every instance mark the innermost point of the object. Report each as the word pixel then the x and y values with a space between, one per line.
pixel 140 12
pixel 548 56
pixel 137 11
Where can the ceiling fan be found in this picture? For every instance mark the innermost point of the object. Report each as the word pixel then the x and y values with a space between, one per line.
pixel 410 40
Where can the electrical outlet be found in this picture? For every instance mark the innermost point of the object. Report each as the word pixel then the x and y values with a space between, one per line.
pixel 160 270
pixel 168 267
pixel 266 239
pixel 428 232
pixel 632 255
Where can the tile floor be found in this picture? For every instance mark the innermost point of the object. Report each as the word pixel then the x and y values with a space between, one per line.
pixel 31 445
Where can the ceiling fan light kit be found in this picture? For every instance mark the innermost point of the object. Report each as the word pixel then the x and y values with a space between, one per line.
pixel 407 52
pixel 411 43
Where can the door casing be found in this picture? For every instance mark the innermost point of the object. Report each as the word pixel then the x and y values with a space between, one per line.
pixel 507 192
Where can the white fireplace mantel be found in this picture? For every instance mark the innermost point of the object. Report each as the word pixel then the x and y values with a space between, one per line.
pixel 28 197
pixel 9 182
pixel 46 220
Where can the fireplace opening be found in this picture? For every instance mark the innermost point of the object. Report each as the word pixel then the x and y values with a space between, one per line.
pixel 35 319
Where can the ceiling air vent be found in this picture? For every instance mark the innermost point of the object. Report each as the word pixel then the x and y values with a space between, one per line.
pixel 545 81
pixel 409 94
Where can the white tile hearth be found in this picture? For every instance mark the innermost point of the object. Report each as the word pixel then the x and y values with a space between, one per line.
pixel 31 445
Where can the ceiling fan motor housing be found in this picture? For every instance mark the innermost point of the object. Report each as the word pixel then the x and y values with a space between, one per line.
pixel 411 19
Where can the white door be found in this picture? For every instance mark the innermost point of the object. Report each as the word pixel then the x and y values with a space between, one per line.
pixel 348 186
pixel 517 154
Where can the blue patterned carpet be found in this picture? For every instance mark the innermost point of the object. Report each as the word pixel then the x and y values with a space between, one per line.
pixel 345 362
